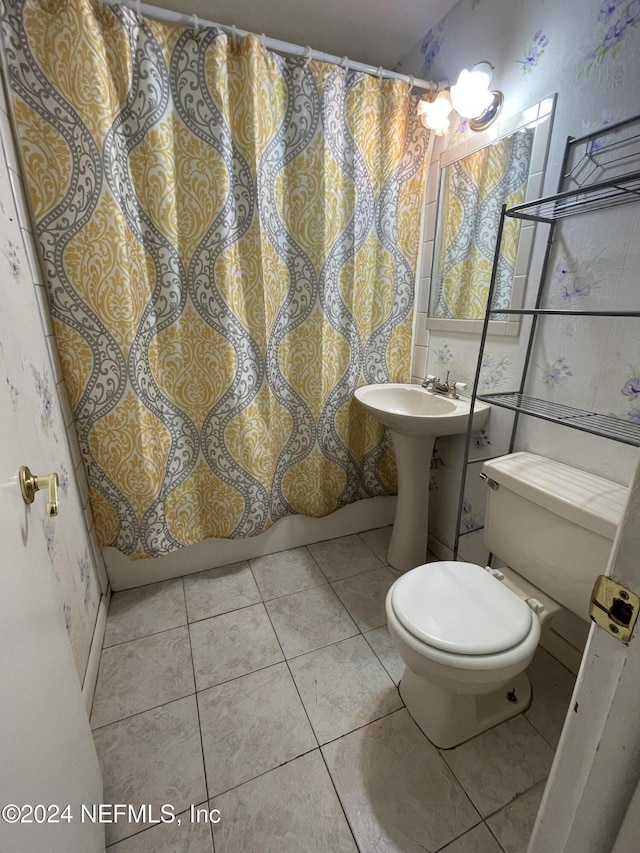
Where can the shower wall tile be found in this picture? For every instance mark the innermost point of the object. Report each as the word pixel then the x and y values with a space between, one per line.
pixel 419 366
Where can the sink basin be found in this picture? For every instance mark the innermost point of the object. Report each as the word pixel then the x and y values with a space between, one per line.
pixel 414 411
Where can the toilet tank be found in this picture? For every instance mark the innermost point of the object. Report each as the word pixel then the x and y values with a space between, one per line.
pixel 552 524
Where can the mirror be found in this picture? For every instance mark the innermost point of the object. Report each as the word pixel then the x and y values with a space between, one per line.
pixel 505 164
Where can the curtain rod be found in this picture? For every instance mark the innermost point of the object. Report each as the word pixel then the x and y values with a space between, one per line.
pixel 171 17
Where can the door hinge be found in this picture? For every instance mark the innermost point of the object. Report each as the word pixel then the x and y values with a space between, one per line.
pixel 614 608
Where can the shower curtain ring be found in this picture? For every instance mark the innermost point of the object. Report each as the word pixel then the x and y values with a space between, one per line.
pixel 263 43
pixel 411 82
pixel 345 63
pixel 234 36
pixel 307 54
pixel 379 72
pixel 196 26
pixel 138 12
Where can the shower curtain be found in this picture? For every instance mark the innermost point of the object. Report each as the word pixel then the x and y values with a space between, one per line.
pixel 229 239
pixel 474 189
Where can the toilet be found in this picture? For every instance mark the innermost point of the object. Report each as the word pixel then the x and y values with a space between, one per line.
pixel 466 632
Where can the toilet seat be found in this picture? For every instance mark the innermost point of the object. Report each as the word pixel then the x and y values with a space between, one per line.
pixel 458 608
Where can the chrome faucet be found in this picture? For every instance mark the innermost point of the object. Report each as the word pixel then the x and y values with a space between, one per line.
pixel 450 389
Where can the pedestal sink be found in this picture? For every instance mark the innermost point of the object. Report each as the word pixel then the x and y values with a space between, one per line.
pixel 415 417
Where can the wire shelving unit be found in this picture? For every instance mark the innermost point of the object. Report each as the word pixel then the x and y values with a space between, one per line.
pixel 593 178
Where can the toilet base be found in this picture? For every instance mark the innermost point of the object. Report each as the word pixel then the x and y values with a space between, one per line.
pixel 448 719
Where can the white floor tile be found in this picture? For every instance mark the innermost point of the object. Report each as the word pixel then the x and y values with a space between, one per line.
pixel 251 725
pixel 153 758
pixel 293 809
pixel 343 557
pixel 343 686
pixel 286 572
pixel 233 644
pixel 498 765
pixel 398 793
pixel 145 610
pixel 142 674
pixel 220 590
pixel 309 619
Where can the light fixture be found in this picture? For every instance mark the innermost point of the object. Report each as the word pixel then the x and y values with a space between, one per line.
pixel 472 99
pixel 435 114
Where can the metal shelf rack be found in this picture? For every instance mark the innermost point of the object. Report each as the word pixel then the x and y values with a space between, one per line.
pixel 602 154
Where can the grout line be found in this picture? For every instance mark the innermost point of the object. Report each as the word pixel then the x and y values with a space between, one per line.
pixel 403 707
pixel 144 636
pixel 138 713
pixel 147 828
pixel 493 834
pixel 238 677
pixel 213 615
pixel 443 849
pixel 264 773
pixel 195 687
pixel 315 736
pixel 342 805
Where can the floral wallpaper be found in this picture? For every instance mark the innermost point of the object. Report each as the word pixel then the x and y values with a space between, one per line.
pixel 586 51
pixel 36 414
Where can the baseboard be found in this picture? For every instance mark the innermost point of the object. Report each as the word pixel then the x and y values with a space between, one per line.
pixel 442 551
pixel 93 662
pixel 290 532
pixel 561 650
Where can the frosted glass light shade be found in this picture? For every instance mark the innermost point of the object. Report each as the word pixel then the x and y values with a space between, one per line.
pixel 435 114
pixel 471 96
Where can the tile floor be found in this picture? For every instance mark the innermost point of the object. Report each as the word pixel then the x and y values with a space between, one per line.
pixel 268 690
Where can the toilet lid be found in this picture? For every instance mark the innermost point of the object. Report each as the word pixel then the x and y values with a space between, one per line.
pixel 460 608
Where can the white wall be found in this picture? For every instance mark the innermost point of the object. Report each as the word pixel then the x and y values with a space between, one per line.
pixel 575 50
pixel 30 366
pixel 588 363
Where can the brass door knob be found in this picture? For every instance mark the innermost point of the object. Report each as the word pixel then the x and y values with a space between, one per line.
pixel 30 484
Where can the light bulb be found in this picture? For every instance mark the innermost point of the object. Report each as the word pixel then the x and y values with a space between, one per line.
pixel 471 96
pixel 435 114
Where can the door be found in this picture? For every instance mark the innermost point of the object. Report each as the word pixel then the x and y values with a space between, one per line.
pixel 591 803
pixel 47 757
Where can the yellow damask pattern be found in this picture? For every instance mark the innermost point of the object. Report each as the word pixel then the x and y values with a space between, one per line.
pixel 225 263
pixel 474 190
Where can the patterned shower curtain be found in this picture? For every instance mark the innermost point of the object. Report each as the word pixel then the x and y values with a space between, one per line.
pixel 229 239
pixel 473 192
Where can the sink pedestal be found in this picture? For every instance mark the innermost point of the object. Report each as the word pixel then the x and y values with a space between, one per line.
pixel 415 417
pixel 408 546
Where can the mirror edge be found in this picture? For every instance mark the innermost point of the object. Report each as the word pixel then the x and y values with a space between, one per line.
pixel 538 115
